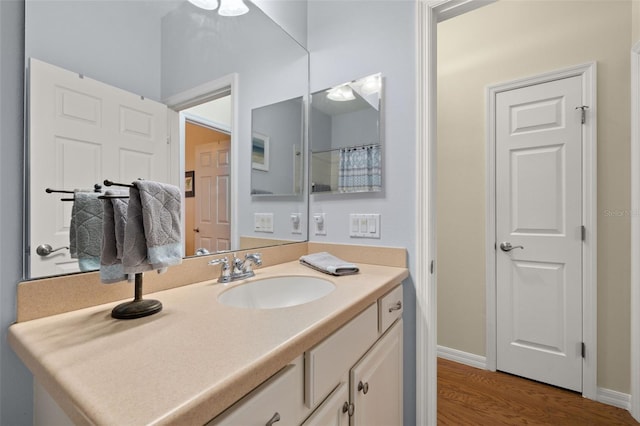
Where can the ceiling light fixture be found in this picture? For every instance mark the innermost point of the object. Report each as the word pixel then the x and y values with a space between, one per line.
pixel 233 8
pixel 205 4
pixel 227 8
pixel 341 94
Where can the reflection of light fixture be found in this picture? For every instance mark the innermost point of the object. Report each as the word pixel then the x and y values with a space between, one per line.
pixel 371 84
pixel 228 7
pixel 233 8
pixel 205 4
pixel 341 93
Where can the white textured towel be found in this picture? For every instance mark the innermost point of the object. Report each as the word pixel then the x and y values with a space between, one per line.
pixel 329 264
pixel 152 234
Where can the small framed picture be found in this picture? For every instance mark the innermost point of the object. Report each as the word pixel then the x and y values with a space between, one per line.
pixel 189 184
pixel 260 152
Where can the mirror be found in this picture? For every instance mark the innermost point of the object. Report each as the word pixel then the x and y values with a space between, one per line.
pixel 277 134
pixel 346 138
pixel 172 53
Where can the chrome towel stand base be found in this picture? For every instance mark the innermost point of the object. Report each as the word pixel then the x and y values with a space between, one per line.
pixel 137 308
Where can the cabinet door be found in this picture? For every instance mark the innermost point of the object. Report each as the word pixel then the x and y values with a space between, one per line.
pixel 334 411
pixel 376 382
pixel 278 400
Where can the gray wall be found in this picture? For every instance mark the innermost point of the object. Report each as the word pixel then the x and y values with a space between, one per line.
pixel 353 39
pixel 15 379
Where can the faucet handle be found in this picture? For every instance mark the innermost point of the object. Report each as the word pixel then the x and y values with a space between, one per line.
pixel 249 259
pixel 225 273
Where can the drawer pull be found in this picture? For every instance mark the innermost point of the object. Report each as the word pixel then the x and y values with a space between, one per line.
pixel 396 307
pixel 274 419
pixel 348 408
pixel 364 387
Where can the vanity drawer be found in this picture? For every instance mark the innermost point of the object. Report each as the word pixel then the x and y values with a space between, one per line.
pixel 278 397
pixel 326 363
pixel 390 306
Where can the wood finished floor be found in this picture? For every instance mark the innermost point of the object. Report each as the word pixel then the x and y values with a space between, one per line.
pixel 470 396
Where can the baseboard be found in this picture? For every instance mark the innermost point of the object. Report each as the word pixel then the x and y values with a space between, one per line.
pixel 615 398
pixel 465 358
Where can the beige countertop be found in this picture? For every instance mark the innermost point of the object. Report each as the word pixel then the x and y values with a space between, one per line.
pixel 192 360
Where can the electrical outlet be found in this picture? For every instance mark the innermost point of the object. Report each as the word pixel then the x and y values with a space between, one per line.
pixel 319 223
pixel 296 227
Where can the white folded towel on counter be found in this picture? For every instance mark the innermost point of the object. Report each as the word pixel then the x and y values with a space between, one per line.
pixel 329 264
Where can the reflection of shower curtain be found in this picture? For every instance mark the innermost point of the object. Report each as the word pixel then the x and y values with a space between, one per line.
pixel 360 169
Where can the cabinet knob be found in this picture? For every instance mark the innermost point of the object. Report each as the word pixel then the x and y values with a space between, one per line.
pixel 364 387
pixel 274 419
pixel 348 408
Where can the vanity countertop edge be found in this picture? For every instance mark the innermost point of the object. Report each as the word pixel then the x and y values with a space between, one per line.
pixel 191 361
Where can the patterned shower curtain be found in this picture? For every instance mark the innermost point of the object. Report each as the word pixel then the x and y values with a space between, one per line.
pixel 360 169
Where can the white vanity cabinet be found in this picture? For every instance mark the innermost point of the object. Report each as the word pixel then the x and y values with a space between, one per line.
pixel 369 393
pixel 278 400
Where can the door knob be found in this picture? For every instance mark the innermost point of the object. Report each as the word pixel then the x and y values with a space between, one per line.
pixel 45 249
pixel 197 229
pixel 506 246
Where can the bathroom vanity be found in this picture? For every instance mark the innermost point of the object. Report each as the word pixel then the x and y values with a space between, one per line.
pixel 202 361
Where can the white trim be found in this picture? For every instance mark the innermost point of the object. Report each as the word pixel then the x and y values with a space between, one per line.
pixel 466 358
pixel 615 398
pixel 429 13
pixel 589 217
pixel 634 406
pixel 203 93
pixel 426 295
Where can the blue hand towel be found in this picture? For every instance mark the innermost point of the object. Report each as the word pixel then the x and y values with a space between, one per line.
pixel 114 222
pixel 86 230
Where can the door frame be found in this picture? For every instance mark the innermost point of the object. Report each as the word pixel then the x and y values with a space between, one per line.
pixel 635 232
pixel 195 96
pixel 587 73
pixel 428 14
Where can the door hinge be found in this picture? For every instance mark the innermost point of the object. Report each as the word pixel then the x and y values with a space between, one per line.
pixel 583 113
pixel 584 350
pixel 583 233
pixel 168 140
pixel 433 266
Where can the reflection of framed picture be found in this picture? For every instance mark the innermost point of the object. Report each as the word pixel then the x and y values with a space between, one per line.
pixel 260 152
pixel 189 184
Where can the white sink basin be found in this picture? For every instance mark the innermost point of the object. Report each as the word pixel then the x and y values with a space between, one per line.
pixel 276 292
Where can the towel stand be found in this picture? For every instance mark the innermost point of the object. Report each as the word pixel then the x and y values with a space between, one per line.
pixel 138 307
pixel 107 182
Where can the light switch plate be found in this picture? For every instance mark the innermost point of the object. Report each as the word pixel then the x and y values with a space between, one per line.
pixel 263 222
pixel 364 225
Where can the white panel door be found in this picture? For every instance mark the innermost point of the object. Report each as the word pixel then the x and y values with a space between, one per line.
pixel 538 212
pixel 213 209
pixel 81 132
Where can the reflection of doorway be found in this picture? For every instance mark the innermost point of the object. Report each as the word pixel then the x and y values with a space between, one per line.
pixel 207 213
pixel 207 155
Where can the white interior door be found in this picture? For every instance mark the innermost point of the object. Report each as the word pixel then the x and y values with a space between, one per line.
pixel 81 132
pixel 539 213
pixel 213 208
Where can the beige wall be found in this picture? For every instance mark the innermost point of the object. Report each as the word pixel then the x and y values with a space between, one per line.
pixel 505 41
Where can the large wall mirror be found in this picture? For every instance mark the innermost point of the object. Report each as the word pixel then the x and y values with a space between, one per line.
pixel 171 88
pixel 346 138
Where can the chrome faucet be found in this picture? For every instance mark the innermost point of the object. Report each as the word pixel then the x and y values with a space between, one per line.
pixel 238 269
